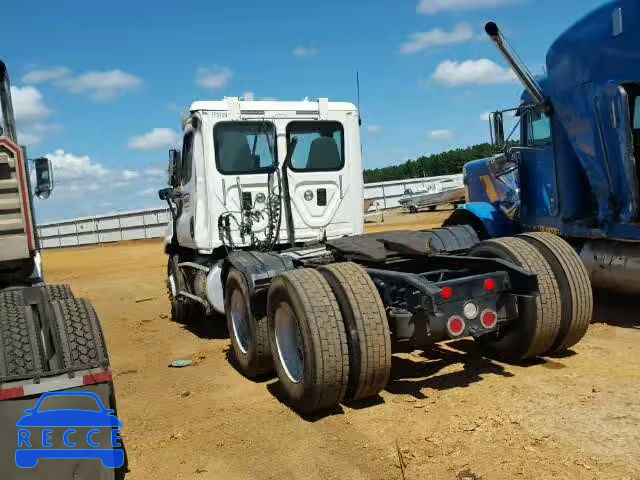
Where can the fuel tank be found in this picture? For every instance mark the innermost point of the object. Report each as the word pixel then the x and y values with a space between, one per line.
pixel 613 265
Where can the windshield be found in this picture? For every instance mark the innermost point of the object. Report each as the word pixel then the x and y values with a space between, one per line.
pixel 69 402
pixel 244 147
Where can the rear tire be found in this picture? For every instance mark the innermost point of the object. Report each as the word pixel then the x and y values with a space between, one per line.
pixel 368 336
pixel 308 340
pixel 249 335
pixel 81 339
pixel 432 208
pixel 576 294
pixel 59 292
pixel 19 348
pixel 533 332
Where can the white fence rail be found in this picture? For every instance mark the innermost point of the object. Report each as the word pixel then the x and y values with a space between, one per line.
pixel 151 223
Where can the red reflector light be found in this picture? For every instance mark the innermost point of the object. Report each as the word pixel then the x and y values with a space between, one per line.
pixel 97 378
pixel 8 393
pixel 489 319
pixel 490 285
pixel 456 326
pixel 446 293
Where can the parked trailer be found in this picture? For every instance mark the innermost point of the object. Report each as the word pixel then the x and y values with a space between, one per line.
pixel 49 340
pixel 278 247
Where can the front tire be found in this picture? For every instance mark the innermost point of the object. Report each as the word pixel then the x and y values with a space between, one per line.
pixel 249 335
pixel 182 309
pixel 308 340
pixel 536 328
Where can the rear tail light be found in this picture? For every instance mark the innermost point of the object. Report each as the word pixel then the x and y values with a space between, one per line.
pixel 456 326
pixel 489 319
pixel 490 285
pixel 446 293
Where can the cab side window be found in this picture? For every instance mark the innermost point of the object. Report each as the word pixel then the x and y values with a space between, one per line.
pixel 187 158
pixel 539 129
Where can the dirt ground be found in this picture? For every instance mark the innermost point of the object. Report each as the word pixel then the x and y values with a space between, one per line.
pixel 447 413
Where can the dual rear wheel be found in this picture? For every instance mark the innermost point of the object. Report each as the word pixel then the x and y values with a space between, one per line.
pixel 328 336
pixel 560 315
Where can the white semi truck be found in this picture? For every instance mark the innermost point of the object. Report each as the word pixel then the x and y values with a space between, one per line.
pixel 267 229
pixel 50 341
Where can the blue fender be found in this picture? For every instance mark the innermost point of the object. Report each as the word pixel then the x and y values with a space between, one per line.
pixel 485 218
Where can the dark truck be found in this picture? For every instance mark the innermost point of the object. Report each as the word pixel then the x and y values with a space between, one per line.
pixel 50 340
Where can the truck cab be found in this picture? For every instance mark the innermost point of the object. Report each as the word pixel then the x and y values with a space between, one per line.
pixel 239 160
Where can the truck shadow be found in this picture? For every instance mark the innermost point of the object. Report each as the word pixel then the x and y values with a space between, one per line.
pixel 209 327
pixel 276 390
pixel 410 374
pixel 616 309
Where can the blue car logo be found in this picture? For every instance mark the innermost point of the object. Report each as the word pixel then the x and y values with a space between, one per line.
pixel 86 433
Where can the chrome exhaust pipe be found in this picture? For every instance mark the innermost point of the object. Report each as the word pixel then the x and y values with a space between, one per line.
pixel 518 65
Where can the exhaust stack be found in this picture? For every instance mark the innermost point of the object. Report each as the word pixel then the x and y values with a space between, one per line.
pixel 7 105
pixel 516 63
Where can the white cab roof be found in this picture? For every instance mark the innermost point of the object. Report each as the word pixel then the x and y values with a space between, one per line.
pixel 271 105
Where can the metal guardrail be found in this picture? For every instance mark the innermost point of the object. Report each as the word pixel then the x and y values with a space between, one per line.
pixel 152 222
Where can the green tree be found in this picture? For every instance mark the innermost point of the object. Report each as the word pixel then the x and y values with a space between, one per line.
pixel 445 163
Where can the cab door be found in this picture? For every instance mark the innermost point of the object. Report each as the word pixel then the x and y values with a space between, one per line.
pixel 246 159
pixel 323 200
pixel 185 193
pixel 538 170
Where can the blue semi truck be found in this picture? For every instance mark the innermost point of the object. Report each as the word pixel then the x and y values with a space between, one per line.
pixel 575 170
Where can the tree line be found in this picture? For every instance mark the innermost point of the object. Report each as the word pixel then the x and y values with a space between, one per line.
pixel 445 163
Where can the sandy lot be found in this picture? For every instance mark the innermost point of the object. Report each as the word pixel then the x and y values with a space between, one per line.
pixel 448 413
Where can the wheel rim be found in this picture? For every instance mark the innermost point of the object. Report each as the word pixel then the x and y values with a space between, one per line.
pixel 240 321
pixel 289 342
pixel 172 286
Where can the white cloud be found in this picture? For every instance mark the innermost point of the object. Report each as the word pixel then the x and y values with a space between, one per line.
pixel 423 40
pixel 101 86
pixel 431 7
pixel 156 139
pixel 28 138
pixel 174 107
pixel 249 96
pixel 305 51
pixel 214 78
pixel 440 134
pixel 28 104
pixel 76 170
pixel 155 172
pixel 148 192
pixel 130 174
pixel 46 127
pixel 472 72
pixel 75 175
pixel 485 116
pixel 48 75
pixel 374 129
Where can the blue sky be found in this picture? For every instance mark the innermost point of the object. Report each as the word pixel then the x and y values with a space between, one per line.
pixel 98 87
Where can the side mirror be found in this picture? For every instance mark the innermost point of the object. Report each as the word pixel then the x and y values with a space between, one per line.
pixel 175 167
pixel 44 177
pixel 165 194
pixel 497 129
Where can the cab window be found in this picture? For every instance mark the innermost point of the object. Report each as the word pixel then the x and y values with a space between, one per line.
pixel 187 158
pixel 540 128
pixel 320 146
pixel 245 147
pixel 636 114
